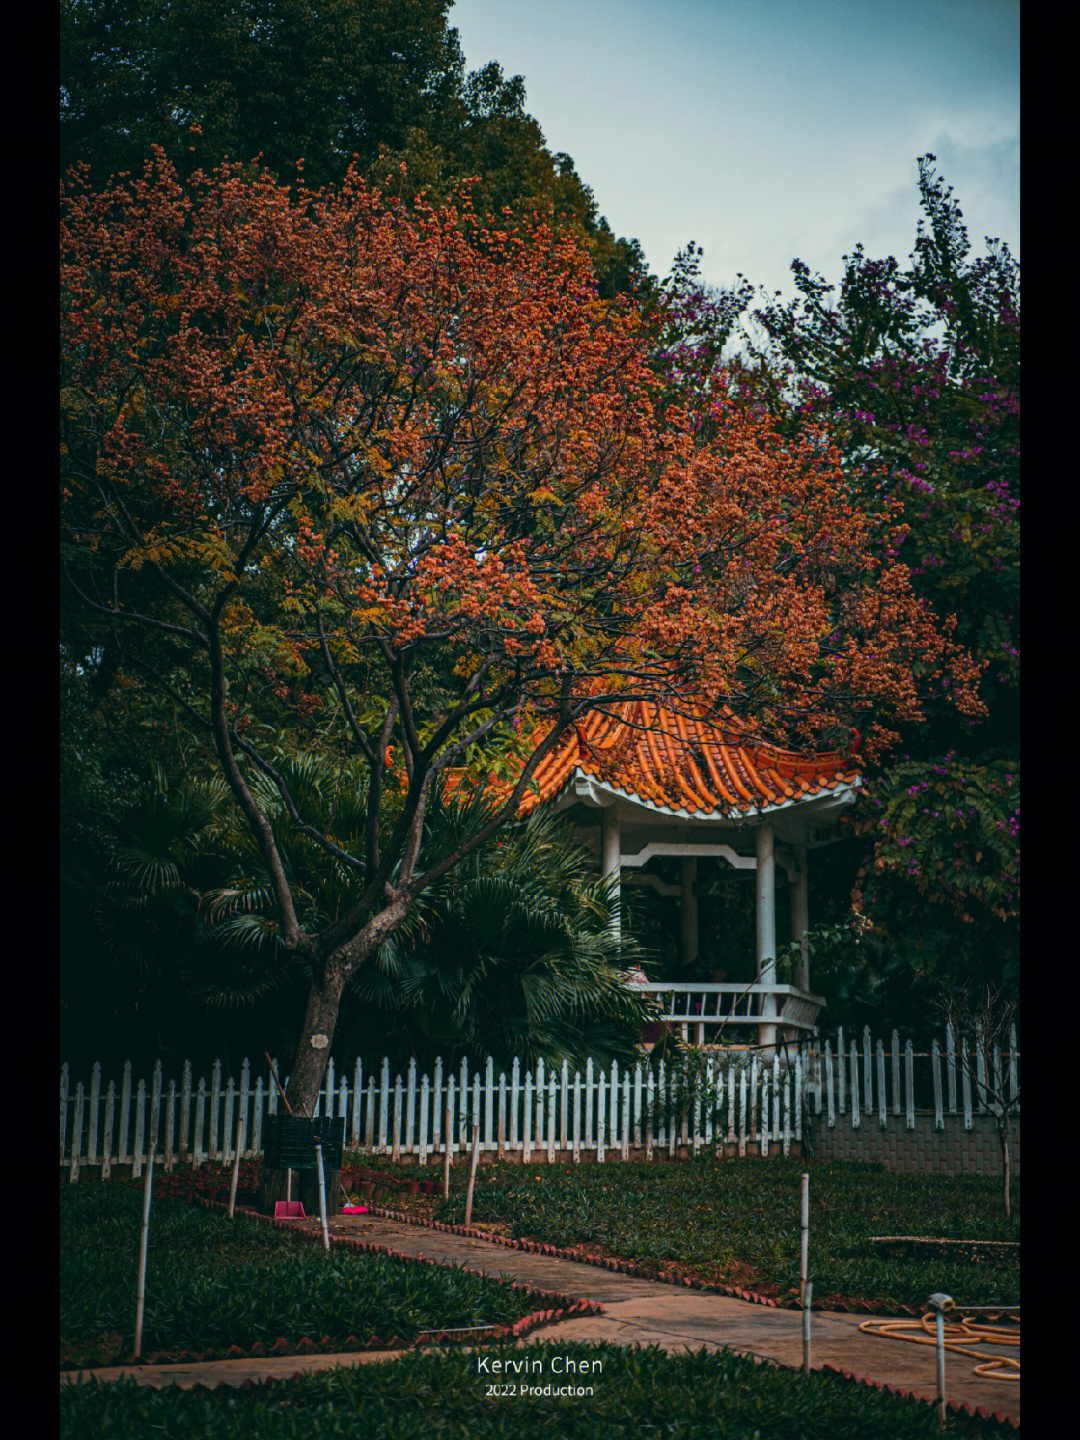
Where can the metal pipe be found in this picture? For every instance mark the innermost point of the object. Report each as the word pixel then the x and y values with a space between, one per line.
pixel 144 1234
pixel 236 1166
pixel 808 1300
pixel 322 1196
pixel 939 1302
pixel 472 1172
pixel 804 1236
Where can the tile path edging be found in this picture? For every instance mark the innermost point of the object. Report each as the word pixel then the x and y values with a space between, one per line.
pixel 1001 1417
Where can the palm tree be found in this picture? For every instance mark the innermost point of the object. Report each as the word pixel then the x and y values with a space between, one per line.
pixel 512 954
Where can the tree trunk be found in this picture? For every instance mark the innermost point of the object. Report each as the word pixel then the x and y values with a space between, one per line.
pixel 324 1002
pixel 323 1005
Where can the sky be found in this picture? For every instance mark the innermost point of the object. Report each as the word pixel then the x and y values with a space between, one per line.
pixel 771 130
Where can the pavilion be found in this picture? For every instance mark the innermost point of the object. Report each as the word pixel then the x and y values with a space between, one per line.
pixel 641 780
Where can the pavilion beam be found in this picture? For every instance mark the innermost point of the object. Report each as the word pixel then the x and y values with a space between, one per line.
pixel 765 874
pixel 689 909
pixel 611 861
pixel 800 918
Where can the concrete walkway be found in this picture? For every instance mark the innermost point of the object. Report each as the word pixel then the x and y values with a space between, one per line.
pixel 636 1311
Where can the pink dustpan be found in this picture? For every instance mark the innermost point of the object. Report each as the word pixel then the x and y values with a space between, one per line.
pixel 288 1210
pixel 354 1209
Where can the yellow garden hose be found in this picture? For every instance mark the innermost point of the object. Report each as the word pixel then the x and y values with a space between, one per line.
pixel 924 1332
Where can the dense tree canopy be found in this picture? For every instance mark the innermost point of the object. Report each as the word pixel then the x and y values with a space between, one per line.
pixel 320 81
pixel 375 481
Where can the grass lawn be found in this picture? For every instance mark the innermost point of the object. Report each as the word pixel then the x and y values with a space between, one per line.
pixel 638 1395
pixel 736 1222
pixel 213 1282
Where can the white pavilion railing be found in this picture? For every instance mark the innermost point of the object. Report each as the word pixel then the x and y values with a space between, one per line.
pixel 734 1098
pixel 705 1012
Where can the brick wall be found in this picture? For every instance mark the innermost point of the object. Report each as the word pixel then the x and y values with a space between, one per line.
pixel 952 1151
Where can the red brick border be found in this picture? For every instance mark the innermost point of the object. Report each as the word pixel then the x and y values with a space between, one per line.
pixel 975 1412
pixel 642 1272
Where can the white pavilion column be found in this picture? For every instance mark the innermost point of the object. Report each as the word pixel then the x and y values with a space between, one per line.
pixel 800 918
pixel 765 874
pixel 611 859
pixel 689 911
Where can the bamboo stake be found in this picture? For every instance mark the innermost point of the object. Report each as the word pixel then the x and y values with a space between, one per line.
pixel 144 1233
pixel 472 1171
pixel 277 1082
pixel 236 1165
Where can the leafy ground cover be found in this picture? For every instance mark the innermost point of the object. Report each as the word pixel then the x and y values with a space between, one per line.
pixel 640 1394
pixel 736 1222
pixel 214 1282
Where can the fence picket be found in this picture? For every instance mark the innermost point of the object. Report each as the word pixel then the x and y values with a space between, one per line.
pixel 895 1072
pixel 950 1065
pixel 564 1096
pixel 868 1088
pixel 410 1104
pixel 139 1147
pixel 909 1086
pixel 228 1139
pixel 422 1138
pixel 830 1113
pixel 731 1104
pixel 257 1121
pixel 384 1106
pixel 515 1074
pixel 357 1094
pixel 170 1121
pixel 215 1096
pixel 965 1084
pixel 65 1076
pixel 76 1136
pixel 106 1148
pixel 577 1116
pixel 395 1151
pixel 95 1101
pixel 198 1150
pixel 935 1076
pixel 883 1109
pixel 856 1116
pixel 125 1113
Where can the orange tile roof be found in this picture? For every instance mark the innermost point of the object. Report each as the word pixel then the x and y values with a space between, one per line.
pixel 683 762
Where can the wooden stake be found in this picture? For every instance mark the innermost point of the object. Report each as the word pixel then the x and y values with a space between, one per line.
pixel 277 1082
pixel 236 1165
pixel 472 1171
pixel 140 1284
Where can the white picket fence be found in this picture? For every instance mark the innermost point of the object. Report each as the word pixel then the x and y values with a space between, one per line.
pixel 728 1098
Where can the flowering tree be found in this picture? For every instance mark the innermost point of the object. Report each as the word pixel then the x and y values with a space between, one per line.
pixel 350 477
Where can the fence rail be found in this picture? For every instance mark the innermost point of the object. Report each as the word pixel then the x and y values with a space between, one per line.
pixel 709 1099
